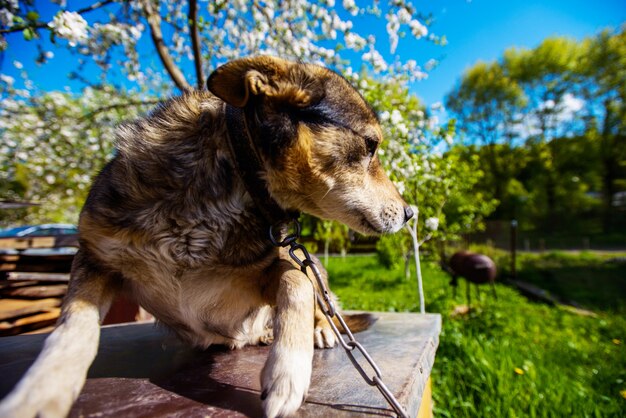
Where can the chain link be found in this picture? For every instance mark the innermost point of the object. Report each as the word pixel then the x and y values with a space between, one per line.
pixel 326 304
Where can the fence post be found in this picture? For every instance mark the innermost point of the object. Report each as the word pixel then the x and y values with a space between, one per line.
pixel 513 248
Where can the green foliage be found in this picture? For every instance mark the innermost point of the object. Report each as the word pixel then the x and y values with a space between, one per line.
pixel 486 102
pixel 391 250
pixel 551 123
pixel 333 234
pixel 508 357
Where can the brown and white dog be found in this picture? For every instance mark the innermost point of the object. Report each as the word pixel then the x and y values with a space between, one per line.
pixel 173 222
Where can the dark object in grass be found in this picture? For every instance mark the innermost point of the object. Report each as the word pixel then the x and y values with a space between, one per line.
pixel 474 268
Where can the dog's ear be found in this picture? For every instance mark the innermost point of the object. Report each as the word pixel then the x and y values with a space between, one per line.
pixel 279 80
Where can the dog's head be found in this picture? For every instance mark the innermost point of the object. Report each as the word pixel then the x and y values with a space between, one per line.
pixel 318 138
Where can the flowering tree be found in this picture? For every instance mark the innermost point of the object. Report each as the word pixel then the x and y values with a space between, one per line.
pixel 53 143
pixel 186 36
pixel 190 39
pixel 430 172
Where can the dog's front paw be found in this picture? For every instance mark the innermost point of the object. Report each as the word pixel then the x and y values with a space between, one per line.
pixel 285 381
pixel 324 335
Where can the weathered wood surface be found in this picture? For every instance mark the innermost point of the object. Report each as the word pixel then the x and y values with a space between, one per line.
pixel 30 323
pixel 36 292
pixel 141 370
pixel 40 277
pixel 13 308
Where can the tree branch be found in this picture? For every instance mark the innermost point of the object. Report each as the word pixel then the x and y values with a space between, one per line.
pixel 94 6
pixel 118 106
pixel 154 21
pixel 44 25
pixel 195 42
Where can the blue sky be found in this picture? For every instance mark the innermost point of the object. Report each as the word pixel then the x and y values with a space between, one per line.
pixel 476 30
pixel 483 29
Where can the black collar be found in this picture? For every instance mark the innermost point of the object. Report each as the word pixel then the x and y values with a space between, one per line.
pixel 249 165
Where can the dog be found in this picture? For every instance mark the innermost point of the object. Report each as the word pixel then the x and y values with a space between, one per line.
pixel 179 220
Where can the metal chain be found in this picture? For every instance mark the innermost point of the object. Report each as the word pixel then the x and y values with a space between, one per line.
pixel 325 302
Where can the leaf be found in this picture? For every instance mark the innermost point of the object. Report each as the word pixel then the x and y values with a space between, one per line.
pixel 32 16
pixel 29 34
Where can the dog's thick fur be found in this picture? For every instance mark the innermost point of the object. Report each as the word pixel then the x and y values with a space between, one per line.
pixel 170 222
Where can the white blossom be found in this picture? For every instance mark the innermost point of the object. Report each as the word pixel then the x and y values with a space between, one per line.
pixel 7 79
pixel 70 26
pixel 375 59
pixel 431 64
pixel 354 41
pixel 432 223
pixel 437 106
pixel 351 7
pixel 417 29
pixel 6 17
pixel 396 117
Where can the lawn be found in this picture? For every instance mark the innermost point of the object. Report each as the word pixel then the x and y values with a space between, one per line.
pixel 509 357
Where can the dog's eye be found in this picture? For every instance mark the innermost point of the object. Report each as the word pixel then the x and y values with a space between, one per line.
pixel 371 144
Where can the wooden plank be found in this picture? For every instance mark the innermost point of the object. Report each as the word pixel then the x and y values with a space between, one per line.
pixel 15 283
pixel 39 292
pixel 42 277
pixel 29 323
pixel 27 242
pixel 12 308
pixel 9 258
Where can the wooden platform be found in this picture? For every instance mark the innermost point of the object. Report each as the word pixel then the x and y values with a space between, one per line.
pixel 141 370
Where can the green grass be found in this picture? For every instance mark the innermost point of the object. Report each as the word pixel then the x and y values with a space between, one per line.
pixel 567 364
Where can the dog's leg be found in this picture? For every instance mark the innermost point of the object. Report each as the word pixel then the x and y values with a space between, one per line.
pixel 324 335
pixel 54 381
pixel 287 373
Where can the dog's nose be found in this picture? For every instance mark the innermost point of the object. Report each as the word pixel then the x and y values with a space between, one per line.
pixel 408 213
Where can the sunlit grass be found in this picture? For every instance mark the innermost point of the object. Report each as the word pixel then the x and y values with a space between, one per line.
pixel 507 357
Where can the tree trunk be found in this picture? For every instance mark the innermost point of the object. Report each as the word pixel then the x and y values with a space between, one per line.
pixel 610 166
pixel 326 251
pixel 407 264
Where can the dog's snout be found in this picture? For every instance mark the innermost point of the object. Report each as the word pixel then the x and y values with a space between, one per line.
pixel 408 213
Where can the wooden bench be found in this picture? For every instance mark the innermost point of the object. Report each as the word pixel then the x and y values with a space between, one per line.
pixel 142 370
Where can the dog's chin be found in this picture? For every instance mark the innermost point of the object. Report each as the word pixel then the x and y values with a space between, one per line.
pixel 357 221
pixel 365 227
pixel 368 227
